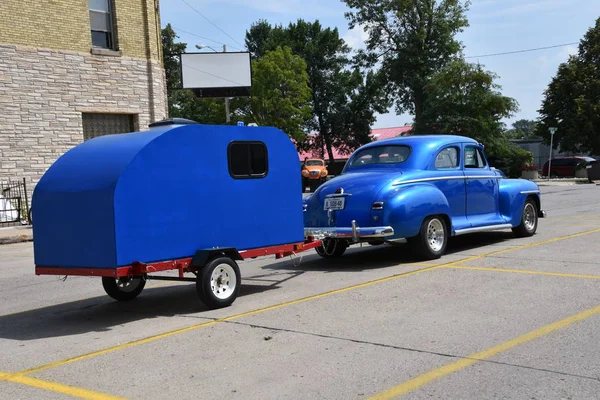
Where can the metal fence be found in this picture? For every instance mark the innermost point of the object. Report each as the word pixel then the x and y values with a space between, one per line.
pixel 14 204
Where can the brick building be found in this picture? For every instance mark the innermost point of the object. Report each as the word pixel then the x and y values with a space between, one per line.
pixel 71 70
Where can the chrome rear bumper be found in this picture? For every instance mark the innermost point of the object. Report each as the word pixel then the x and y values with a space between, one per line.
pixel 542 214
pixel 354 233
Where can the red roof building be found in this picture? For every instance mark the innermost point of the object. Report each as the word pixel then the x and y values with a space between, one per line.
pixel 376 134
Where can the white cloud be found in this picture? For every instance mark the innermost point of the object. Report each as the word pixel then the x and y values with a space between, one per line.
pixel 566 51
pixel 356 37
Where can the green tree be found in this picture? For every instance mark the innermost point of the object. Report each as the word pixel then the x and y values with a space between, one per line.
pixel 183 103
pixel 343 100
pixel 572 100
pixel 280 94
pixel 521 129
pixel 462 98
pixel 410 40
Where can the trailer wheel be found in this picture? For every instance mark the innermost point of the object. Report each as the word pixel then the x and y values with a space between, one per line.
pixel 218 283
pixel 125 288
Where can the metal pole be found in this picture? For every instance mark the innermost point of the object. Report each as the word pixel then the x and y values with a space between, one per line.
pixel 227 115
pixel 552 130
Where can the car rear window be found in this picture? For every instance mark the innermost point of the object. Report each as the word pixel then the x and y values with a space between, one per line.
pixel 392 154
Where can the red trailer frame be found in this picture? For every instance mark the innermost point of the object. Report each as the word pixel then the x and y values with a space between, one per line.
pixel 182 265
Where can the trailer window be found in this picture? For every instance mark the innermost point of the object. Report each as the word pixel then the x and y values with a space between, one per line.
pixel 247 160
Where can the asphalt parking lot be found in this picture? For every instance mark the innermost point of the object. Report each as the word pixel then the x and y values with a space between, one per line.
pixel 497 317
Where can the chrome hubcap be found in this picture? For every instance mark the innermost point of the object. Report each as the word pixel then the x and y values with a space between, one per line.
pixel 435 235
pixel 529 217
pixel 223 281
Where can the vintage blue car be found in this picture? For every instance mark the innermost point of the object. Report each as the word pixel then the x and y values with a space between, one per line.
pixel 422 188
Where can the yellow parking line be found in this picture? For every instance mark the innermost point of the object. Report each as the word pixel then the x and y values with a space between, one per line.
pixel 236 316
pixel 525 246
pixel 292 302
pixel 60 388
pixel 522 271
pixel 432 375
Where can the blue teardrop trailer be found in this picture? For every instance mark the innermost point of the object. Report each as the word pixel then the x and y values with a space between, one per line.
pixel 181 195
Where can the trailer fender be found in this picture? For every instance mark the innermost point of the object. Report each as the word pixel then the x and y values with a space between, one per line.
pixel 203 257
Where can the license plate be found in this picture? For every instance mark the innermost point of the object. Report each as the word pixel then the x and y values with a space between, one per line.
pixel 335 203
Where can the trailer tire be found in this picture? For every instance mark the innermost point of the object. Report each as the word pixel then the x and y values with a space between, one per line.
pixel 218 283
pixel 123 289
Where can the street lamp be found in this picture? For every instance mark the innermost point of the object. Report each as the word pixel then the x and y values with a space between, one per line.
pixel 202 46
pixel 552 132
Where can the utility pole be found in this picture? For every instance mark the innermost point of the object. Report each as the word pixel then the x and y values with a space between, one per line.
pixel 552 132
pixel 227 116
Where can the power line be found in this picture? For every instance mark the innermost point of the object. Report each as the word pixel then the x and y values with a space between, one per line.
pixel 215 25
pixel 203 37
pixel 523 51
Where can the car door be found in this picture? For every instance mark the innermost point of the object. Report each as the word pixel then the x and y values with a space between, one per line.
pixel 448 168
pixel 482 189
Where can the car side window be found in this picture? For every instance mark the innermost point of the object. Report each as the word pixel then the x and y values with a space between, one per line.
pixel 447 158
pixel 474 157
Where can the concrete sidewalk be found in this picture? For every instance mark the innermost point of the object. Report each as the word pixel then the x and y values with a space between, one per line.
pixel 16 234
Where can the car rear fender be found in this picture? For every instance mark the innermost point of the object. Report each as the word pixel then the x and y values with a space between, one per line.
pixel 408 205
pixel 513 194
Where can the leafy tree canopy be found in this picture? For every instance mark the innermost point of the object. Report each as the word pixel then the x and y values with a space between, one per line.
pixel 572 100
pixel 521 129
pixel 463 99
pixel 280 94
pixel 344 101
pixel 410 40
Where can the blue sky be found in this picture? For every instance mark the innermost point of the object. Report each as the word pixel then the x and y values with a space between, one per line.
pixel 495 26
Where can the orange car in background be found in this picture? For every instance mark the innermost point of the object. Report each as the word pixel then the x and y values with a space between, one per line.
pixel 314 172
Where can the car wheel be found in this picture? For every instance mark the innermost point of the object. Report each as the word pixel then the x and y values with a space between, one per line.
pixel 529 220
pixel 432 240
pixel 332 248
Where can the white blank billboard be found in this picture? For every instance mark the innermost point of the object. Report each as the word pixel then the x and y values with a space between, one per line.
pixel 215 70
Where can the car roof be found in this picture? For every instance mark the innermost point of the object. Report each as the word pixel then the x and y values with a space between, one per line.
pixel 422 147
pixel 436 140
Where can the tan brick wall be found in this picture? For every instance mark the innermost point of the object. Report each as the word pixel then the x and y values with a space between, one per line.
pixel 65 25
pixel 43 93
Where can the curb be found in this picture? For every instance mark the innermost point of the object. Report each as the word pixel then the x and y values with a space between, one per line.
pixel 16 239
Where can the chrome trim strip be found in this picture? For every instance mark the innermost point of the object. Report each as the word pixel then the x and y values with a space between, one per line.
pixel 531 191
pixel 355 233
pixel 338 195
pixel 482 229
pixel 442 178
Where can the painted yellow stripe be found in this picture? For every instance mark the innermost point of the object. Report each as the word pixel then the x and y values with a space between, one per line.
pixel 314 297
pixel 432 375
pixel 209 323
pixel 522 271
pixel 525 246
pixel 60 388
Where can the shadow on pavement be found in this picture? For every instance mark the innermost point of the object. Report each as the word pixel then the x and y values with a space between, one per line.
pixel 382 256
pixel 102 314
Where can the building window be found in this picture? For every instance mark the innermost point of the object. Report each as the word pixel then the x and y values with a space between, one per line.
pixel 101 22
pixel 106 124
pixel 247 160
